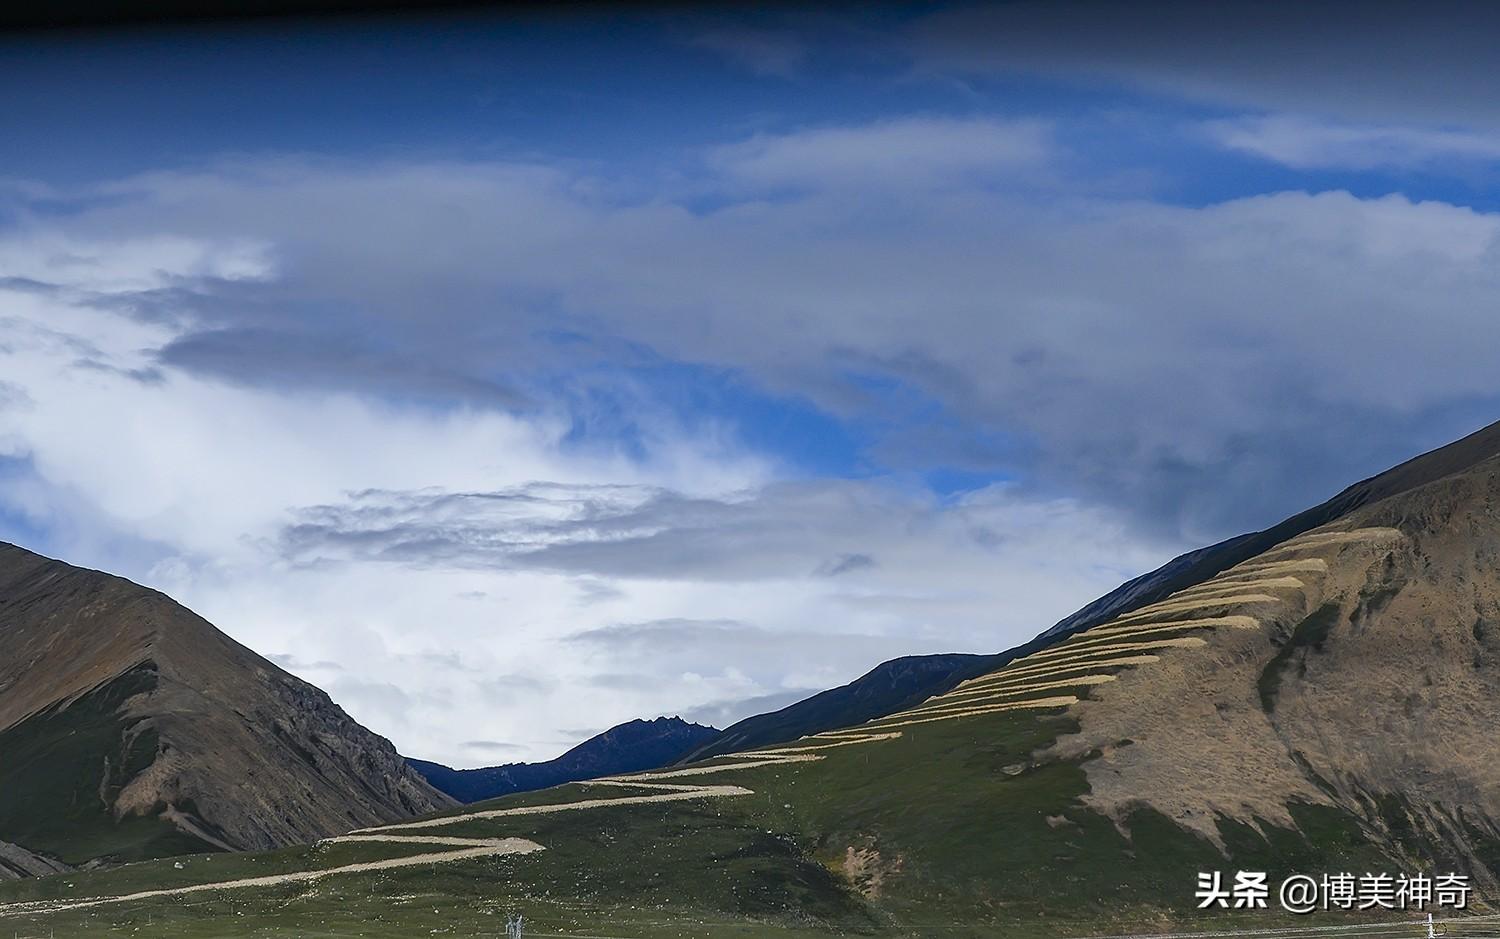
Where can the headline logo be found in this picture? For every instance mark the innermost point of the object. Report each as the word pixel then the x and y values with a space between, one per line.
pixel 1304 893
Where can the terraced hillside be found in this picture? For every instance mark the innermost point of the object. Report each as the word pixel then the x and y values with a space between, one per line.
pixel 1326 705
pixel 895 685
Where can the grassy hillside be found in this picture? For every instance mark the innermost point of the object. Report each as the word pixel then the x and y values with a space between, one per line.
pixel 64 767
pixel 951 823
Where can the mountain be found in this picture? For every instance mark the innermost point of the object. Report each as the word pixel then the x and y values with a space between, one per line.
pixel 625 748
pixel 893 685
pixel 130 727
pixel 1324 705
pixel 884 689
pixel 1197 566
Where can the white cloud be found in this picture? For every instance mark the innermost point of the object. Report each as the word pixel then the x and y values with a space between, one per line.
pixel 897 153
pixel 130 264
pixel 976 576
pixel 1306 143
pixel 1193 368
pixel 438 648
pixel 1023 316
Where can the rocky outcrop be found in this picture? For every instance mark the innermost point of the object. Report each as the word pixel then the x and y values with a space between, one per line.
pixel 16 862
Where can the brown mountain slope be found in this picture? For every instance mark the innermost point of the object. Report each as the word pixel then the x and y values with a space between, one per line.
pixel 131 727
pixel 1197 566
pixel 1354 667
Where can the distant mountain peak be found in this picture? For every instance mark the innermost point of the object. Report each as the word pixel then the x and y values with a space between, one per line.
pixel 635 745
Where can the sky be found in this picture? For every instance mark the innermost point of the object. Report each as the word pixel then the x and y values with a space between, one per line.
pixel 512 376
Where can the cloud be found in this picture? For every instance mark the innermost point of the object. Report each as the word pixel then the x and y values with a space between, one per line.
pixel 1304 143
pixel 490 747
pixel 845 563
pixel 286 360
pixel 753 660
pixel 13 396
pixel 721 714
pixel 907 152
pixel 1383 62
pixel 1146 374
pixel 623 534
pixel 438 556
pixel 294 664
pixel 663 632
pixel 513 691
pixel 1163 358
pixel 134 264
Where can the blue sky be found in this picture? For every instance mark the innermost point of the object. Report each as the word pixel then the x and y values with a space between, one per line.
pixel 600 366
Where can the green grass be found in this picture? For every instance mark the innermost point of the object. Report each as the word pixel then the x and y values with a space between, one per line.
pixel 976 836
pixel 59 792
